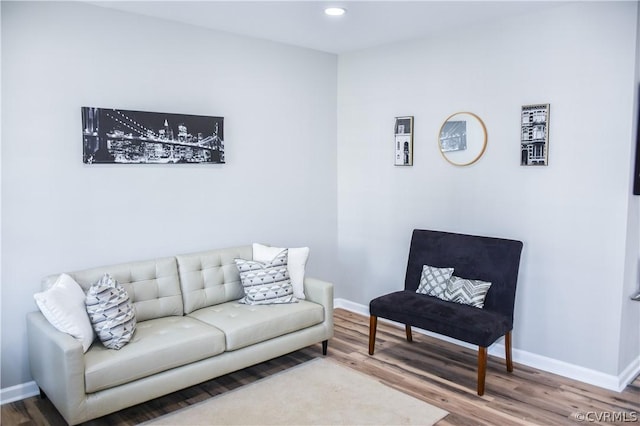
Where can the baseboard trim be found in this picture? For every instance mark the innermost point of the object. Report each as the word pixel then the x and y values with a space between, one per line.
pixel 18 392
pixel 629 374
pixel 561 368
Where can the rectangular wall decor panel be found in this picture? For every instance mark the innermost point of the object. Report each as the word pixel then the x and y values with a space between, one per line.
pixel 534 141
pixel 139 137
pixel 404 141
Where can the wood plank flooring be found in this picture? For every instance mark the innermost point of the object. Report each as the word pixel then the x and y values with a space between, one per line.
pixel 440 373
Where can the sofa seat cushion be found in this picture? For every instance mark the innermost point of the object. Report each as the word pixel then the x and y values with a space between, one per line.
pixel 462 322
pixel 246 325
pixel 159 344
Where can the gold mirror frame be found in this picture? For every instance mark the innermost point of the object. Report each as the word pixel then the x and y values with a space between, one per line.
pixel 462 145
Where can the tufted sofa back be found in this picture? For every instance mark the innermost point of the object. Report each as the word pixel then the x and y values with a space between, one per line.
pixel 173 285
pixel 153 285
pixel 211 277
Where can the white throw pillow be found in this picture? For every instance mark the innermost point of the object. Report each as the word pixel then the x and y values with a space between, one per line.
pixel 296 263
pixel 63 306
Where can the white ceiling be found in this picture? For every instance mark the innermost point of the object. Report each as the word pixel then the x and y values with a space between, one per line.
pixel 303 23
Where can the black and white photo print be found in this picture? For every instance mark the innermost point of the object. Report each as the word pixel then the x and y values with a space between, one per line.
pixel 138 137
pixel 534 149
pixel 404 141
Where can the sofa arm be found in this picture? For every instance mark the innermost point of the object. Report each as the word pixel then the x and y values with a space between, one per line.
pixel 57 366
pixel 321 292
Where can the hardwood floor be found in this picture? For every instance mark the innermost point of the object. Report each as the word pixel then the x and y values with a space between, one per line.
pixel 440 373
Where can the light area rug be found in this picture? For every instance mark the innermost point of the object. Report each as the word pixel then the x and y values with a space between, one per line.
pixel 318 392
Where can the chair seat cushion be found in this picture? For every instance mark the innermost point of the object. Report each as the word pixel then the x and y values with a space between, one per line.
pixel 158 345
pixel 246 325
pixel 462 322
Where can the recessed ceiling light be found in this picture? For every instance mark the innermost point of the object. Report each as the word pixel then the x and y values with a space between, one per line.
pixel 335 11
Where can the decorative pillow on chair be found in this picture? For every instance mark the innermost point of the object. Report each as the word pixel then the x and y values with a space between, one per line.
pixel 111 312
pixel 296 263
pixel 433 281
pixel 266 283
pixel 63 306
pixel 467 292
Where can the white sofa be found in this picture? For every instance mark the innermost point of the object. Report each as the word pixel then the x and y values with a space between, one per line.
pixel 190 329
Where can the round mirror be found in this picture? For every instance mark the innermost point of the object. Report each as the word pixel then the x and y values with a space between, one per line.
pixel 462 138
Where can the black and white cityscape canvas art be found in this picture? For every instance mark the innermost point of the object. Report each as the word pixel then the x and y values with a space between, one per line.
pixel 534 141
pixel 139 137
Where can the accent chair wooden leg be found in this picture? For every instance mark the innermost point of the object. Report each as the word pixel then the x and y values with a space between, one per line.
pixel 482 369
pixel 373 325
pixel 507 351
pixel 407 328
pixel 325 344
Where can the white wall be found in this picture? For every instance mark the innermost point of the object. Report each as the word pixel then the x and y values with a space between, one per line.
pixel 278 186
pixel 571 215
pixel 578 222
pixel 630 310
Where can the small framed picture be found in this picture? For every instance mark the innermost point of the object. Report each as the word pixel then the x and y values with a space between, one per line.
pixel 404 141
pixel 534 140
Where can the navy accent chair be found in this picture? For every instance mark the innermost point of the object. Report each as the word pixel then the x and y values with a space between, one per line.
pixel 490 259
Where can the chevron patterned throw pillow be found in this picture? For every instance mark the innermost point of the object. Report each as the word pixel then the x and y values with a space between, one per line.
pixel 111 312
pixel 468 292
pixel 266 283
